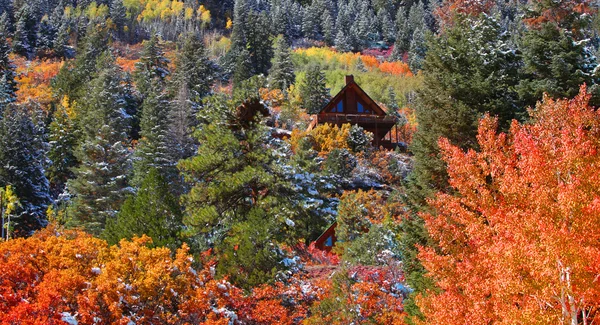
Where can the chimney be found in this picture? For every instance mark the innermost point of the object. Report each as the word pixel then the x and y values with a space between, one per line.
pixel 349 79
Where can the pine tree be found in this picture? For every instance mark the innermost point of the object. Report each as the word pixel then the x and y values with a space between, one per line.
pixel 62 40
pixel 386 25
pixel 313 90
pixel 8 85
pixel 153 211
pixel 153 150
pixel 5 24
pixel 403 35
pixel 417 50
pixel 468 70
pixel 343 42
pixel 182 121
pixel 75 75
pixel 152 67
pixel 328 26
pixel 194 70
pixel 243 69
pixel 24 39
pixel 22 159
pixel 100 182
pixel 63 141
pixel 259 43
pixel 233 199
pixel 118 14
pixel 555 64
pixel 310 22
pixel 281 75
pixel 46 37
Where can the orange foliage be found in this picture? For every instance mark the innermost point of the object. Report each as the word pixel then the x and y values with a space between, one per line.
pixel 450 9
pixel 369 61
pixel 559 12
pixel 128 65
pixel 519 242
pixel 395 68
pixel 56 272
pixel 34 78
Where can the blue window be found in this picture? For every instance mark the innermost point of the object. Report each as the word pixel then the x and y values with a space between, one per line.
pixel 329 242
pixel 339 108
pixel 361 109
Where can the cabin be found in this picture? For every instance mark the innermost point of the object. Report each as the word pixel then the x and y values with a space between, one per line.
pixel 327 239
pixel 352 105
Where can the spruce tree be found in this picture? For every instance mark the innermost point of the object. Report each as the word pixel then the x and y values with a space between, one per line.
pixel 343 42
pixel 243 69
pixel 328 26
pixel 46 37
pixel 417 50
pixel 22 159
pixel 118 14
pixel 24 39
pixel 8 85
pixel 63 141
pixel 194 70
pixel 153 150
pixel 388 32
pixel 182 121
pixel 153 211
pixel 62 40
pixel 281 75
pixel 310 22
pixel 152 67
pixel 234 188
pixel 100 183
pixel 313 90
pixel 5 24
pixel 468 71
pixel 259 43
pixel 403 35
pixel 555 63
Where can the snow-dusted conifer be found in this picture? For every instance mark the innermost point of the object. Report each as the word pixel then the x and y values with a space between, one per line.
pixel 281 75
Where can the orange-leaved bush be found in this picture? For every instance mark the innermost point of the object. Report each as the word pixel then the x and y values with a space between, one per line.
pixel 518 241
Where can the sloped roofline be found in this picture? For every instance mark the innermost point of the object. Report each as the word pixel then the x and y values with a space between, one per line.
pixel 344 89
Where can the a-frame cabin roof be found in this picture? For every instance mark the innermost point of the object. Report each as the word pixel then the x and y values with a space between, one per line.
pixel 351 96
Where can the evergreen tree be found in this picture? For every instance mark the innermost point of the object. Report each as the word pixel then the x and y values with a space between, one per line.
pixel 417 51
pixel 403 35
pixel 386 25
pixel 118 15
pixel 22 159
pixel 328 26
pixel 63 141
pixel 468 70
pixel 8 85
pixel 100 182
pixel 243 68
pixel 194 70
pixel 313 90
pixel 310 22
pixel 282 74
pixel 343 42
pixel 234 187
pixel 75 75
pixel 24 39
pixel 62 40
pixel 259 43
pixel 153 150
pixel 46 37
pixel 151 68
pixel 5 24
pixel 555 64
pixel 153 211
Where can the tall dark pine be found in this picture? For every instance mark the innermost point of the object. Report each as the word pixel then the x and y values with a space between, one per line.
pixel 152 67
pixel 24 39
pixel 22 159
pixel 100 183
pixel 193 69
pixel 555 63
pixel 152 211
pixel 63 141
pixel 313 90
pixel 467 72
pixel 153 150
pixel 281 75
pixel 8 85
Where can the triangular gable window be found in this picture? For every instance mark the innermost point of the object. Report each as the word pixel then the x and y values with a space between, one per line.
pixel 361 109
pixel 338 108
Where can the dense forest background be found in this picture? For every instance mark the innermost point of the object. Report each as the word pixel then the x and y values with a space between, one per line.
pixel 157 164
